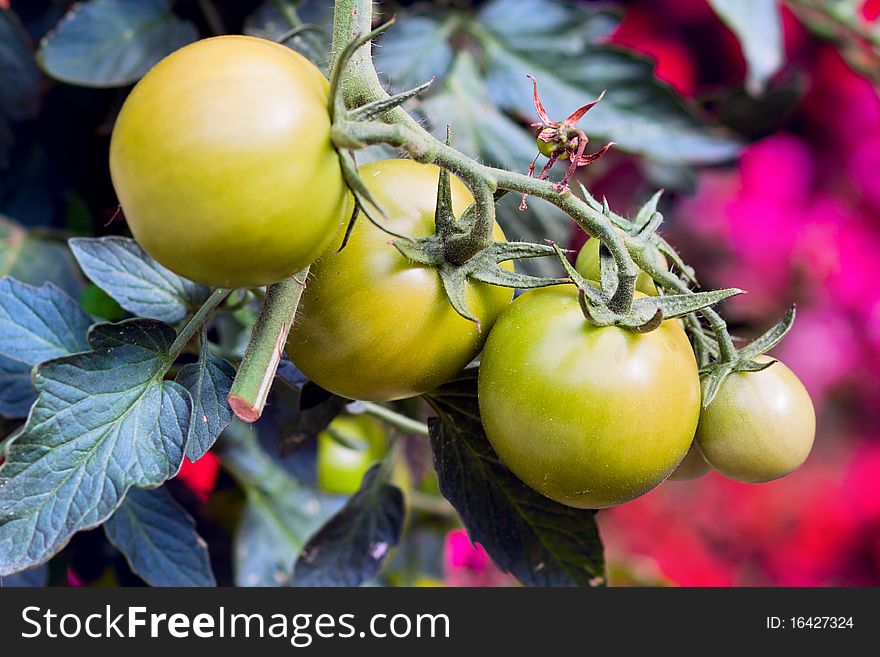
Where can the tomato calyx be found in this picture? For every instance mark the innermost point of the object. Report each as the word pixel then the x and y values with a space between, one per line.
pixel 562 140
pixel 483 257
pixel 645 313
pixel 746 358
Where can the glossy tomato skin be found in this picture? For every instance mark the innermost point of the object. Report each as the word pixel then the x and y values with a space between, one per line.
pixel 590 417
pixel 340 467
pixel 760 426
pixel 222 162
pixel 587 264
pixel 374 326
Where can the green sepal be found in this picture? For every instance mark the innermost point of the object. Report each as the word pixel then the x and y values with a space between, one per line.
pixel 672 256
pixel 483 267
pixel 713 376
pixel 378 107
pixel 454 281
pixel 649 229
pixel 679 305
pixel 771 338
pixel 423 251
pixel 646 313
pixel 647 210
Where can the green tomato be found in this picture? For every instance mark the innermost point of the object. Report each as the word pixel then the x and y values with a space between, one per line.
pixel 760 426
pixel 340 468
pixel 374 326
pixel 588 416
pixel 546 149
pixel 222 162
pixel 692 467
pixel 587 265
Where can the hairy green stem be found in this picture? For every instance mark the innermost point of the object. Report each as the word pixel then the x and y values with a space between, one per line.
pixel 397 420
pixel 257 370
pixel 360 85
pixel 196 322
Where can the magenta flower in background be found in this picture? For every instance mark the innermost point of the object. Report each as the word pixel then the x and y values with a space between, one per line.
pixel 467 564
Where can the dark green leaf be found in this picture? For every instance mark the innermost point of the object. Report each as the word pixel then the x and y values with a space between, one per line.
pixel 758 26
pixel 541 542
pixel 40 323
pixel 112 43
pixel 271 21
pixel 20 90
pixel 17 393
pixel 104 421
pixel 639 113
pixel 209 382
pixel 416 50
pixel 33 578
pixel 37 260
pixel 478 128
pixel 300 410
pixel 279 516
pixel 550 28
pixel 352 547
pixel 120 267
pixel 159 540
pixel 37 324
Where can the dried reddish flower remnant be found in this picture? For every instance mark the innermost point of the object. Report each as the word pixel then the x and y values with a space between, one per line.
pixel 561 140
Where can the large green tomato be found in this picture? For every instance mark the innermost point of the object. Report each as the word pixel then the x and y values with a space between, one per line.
pixel 760 426
pixel 590 417
pixel 372 325
pixel 222 162
pixel 341 468
pixel 587 264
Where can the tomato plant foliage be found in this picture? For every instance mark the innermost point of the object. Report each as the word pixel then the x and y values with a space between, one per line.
pixel 97 417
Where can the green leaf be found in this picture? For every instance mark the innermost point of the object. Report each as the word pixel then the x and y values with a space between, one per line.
pixel 273 19
pixel 539 541
pixel 120 267
pixel 20 91
pixel 478 128
pixel 639 113
pixel 37 324
pixel 33 578
pixel 758 26
pixel 40 323
pixel 104 421
pixel 299 409
pixel 416 50
pixel 209 382
pixel 354 544
pixel 37 260
pixel 280 514
pixel 17 393
pixel 112 43
pixel 159 540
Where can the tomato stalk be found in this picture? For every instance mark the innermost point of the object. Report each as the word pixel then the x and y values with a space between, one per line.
pixel 257 369
pixel 196 322
pixel 397 420
pixel 360 85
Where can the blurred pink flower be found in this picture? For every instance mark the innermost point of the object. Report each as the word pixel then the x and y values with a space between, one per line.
pixel 467 564
pixel 822 349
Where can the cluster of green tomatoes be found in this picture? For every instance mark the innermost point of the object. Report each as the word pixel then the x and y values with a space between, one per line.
pixel 224 167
